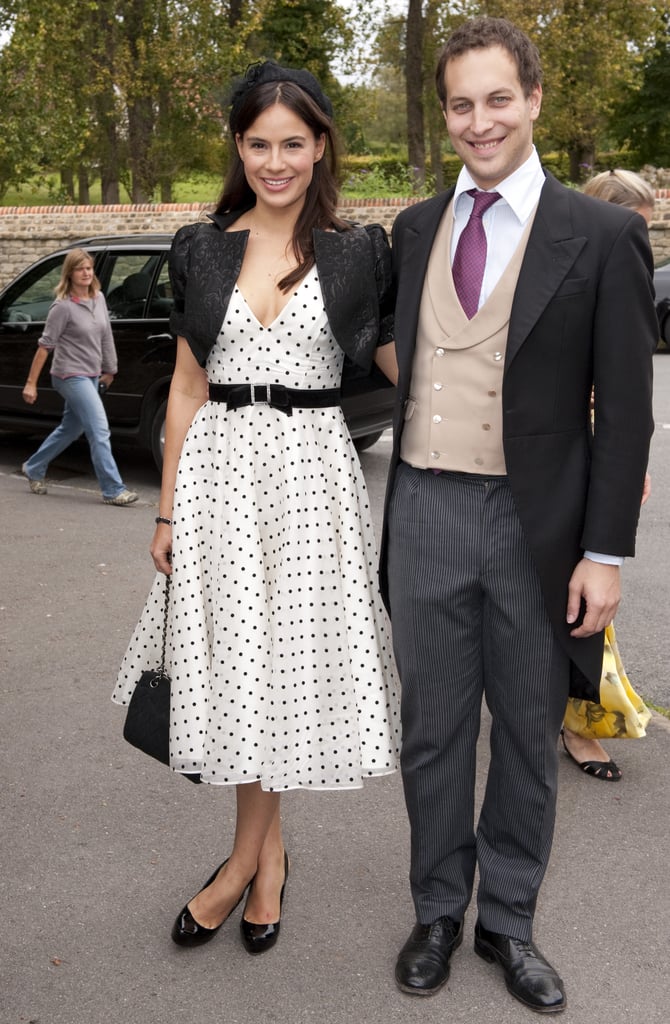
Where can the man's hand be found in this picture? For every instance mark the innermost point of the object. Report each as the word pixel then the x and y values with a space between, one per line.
pixel 600 587
pixel 646 490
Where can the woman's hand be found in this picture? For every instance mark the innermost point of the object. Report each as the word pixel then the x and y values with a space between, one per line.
pixel 386 360
pixel 106 379
pixel 30 387
pixel 161 548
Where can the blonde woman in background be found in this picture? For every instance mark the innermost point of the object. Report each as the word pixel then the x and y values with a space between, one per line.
pixel 625 188
pixel 79 334
pixel 621 713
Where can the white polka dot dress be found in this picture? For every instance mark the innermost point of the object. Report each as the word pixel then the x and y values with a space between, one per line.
pixel 278 650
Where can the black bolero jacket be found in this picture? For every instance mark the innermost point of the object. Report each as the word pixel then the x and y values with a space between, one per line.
pixel 354 270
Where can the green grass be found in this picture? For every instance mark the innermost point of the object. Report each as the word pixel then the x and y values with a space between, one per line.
pixel 199 188
pixel 359 183
pixel 46 191
pixel 656 707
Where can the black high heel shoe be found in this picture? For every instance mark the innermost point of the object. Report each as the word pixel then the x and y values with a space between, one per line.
pixel 186 931
pixel 258 938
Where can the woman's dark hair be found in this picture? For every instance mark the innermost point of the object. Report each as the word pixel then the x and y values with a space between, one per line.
pixel 479 34
pixel 320 206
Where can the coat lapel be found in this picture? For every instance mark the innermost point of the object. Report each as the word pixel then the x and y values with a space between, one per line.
pixel 552 250
pixel 410 272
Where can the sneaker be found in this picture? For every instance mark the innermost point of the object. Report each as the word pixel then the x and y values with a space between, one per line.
pixel 124 498
pixel 36 486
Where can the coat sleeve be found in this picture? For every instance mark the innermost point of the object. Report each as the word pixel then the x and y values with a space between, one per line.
pixel 625 335
pixel 384 279
pixel 354 271
pixel 178 267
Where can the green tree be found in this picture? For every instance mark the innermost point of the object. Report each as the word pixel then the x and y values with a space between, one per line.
pixel 414 85
pixel 129 89
pixel 302 33
pixel 642 119
pixel 590 51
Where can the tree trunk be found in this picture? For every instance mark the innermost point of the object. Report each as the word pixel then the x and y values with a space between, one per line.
pixel 67 182
pixel 105 142
pixel 109 162
pixel 234 12
pixel 582 158
pixel 436 159
pixel 139 107
pixel 109 188
pixel 83 190
pixel 416 142
pixel 140 133
pixel 164 162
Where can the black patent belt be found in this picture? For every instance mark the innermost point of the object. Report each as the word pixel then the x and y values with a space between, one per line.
pixel 275 395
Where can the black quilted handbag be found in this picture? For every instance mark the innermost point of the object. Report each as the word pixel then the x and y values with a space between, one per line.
pixel 147 724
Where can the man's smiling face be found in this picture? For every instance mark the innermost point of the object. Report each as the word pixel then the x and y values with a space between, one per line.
pixel 489 120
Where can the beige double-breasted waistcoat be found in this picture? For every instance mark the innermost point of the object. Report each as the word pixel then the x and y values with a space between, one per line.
pixel 453 418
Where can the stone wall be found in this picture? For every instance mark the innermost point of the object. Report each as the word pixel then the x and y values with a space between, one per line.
pixel 28 232
pixel 659 229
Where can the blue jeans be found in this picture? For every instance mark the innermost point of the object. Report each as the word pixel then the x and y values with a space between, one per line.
pixel 84 413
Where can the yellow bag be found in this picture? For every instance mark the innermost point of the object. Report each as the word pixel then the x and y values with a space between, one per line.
pixel 621 713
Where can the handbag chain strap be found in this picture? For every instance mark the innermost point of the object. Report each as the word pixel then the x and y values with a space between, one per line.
pixel 166 612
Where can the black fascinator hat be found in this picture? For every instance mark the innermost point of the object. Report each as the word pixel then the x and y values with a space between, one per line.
pixel 267 71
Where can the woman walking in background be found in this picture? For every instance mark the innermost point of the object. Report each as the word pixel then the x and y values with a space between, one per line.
pixel 79 334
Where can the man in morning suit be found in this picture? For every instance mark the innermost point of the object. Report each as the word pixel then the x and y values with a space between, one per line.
pixel 507 516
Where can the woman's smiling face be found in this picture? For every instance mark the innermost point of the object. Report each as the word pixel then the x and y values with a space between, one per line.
pixel 279 152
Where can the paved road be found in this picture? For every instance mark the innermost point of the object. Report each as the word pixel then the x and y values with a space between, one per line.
pixel 101 848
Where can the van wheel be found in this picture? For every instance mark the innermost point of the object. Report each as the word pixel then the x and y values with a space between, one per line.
pixel 158 435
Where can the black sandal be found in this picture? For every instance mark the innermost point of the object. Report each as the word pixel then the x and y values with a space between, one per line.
pixel 608 771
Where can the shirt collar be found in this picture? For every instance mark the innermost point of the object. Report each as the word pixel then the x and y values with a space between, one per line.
pixel 521 190
pixel 89 301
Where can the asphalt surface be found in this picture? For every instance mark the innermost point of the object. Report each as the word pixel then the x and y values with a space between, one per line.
pixel 101 847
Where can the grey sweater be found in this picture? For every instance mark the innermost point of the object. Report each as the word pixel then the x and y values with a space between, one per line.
pixel 79 333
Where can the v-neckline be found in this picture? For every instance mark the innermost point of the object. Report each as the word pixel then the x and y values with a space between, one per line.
pixel 292 296
pixel 267 327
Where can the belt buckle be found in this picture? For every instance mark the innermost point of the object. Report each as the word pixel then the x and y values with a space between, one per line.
pixel 267 398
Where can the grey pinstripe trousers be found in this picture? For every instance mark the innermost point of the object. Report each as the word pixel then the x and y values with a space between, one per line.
pixel 469 620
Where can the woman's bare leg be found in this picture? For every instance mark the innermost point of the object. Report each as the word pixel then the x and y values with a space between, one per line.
pixel 262 905
pixel 584 749
pixel 257 832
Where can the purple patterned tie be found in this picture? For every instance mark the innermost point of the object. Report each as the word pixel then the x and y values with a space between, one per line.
pixel 470 256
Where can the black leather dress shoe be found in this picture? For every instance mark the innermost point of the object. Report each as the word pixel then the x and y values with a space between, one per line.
pixel 528 976
pixel 258 938
pixel 423 962
pixel 186 931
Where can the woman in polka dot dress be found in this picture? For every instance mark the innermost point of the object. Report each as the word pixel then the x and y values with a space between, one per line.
pixel 279 653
